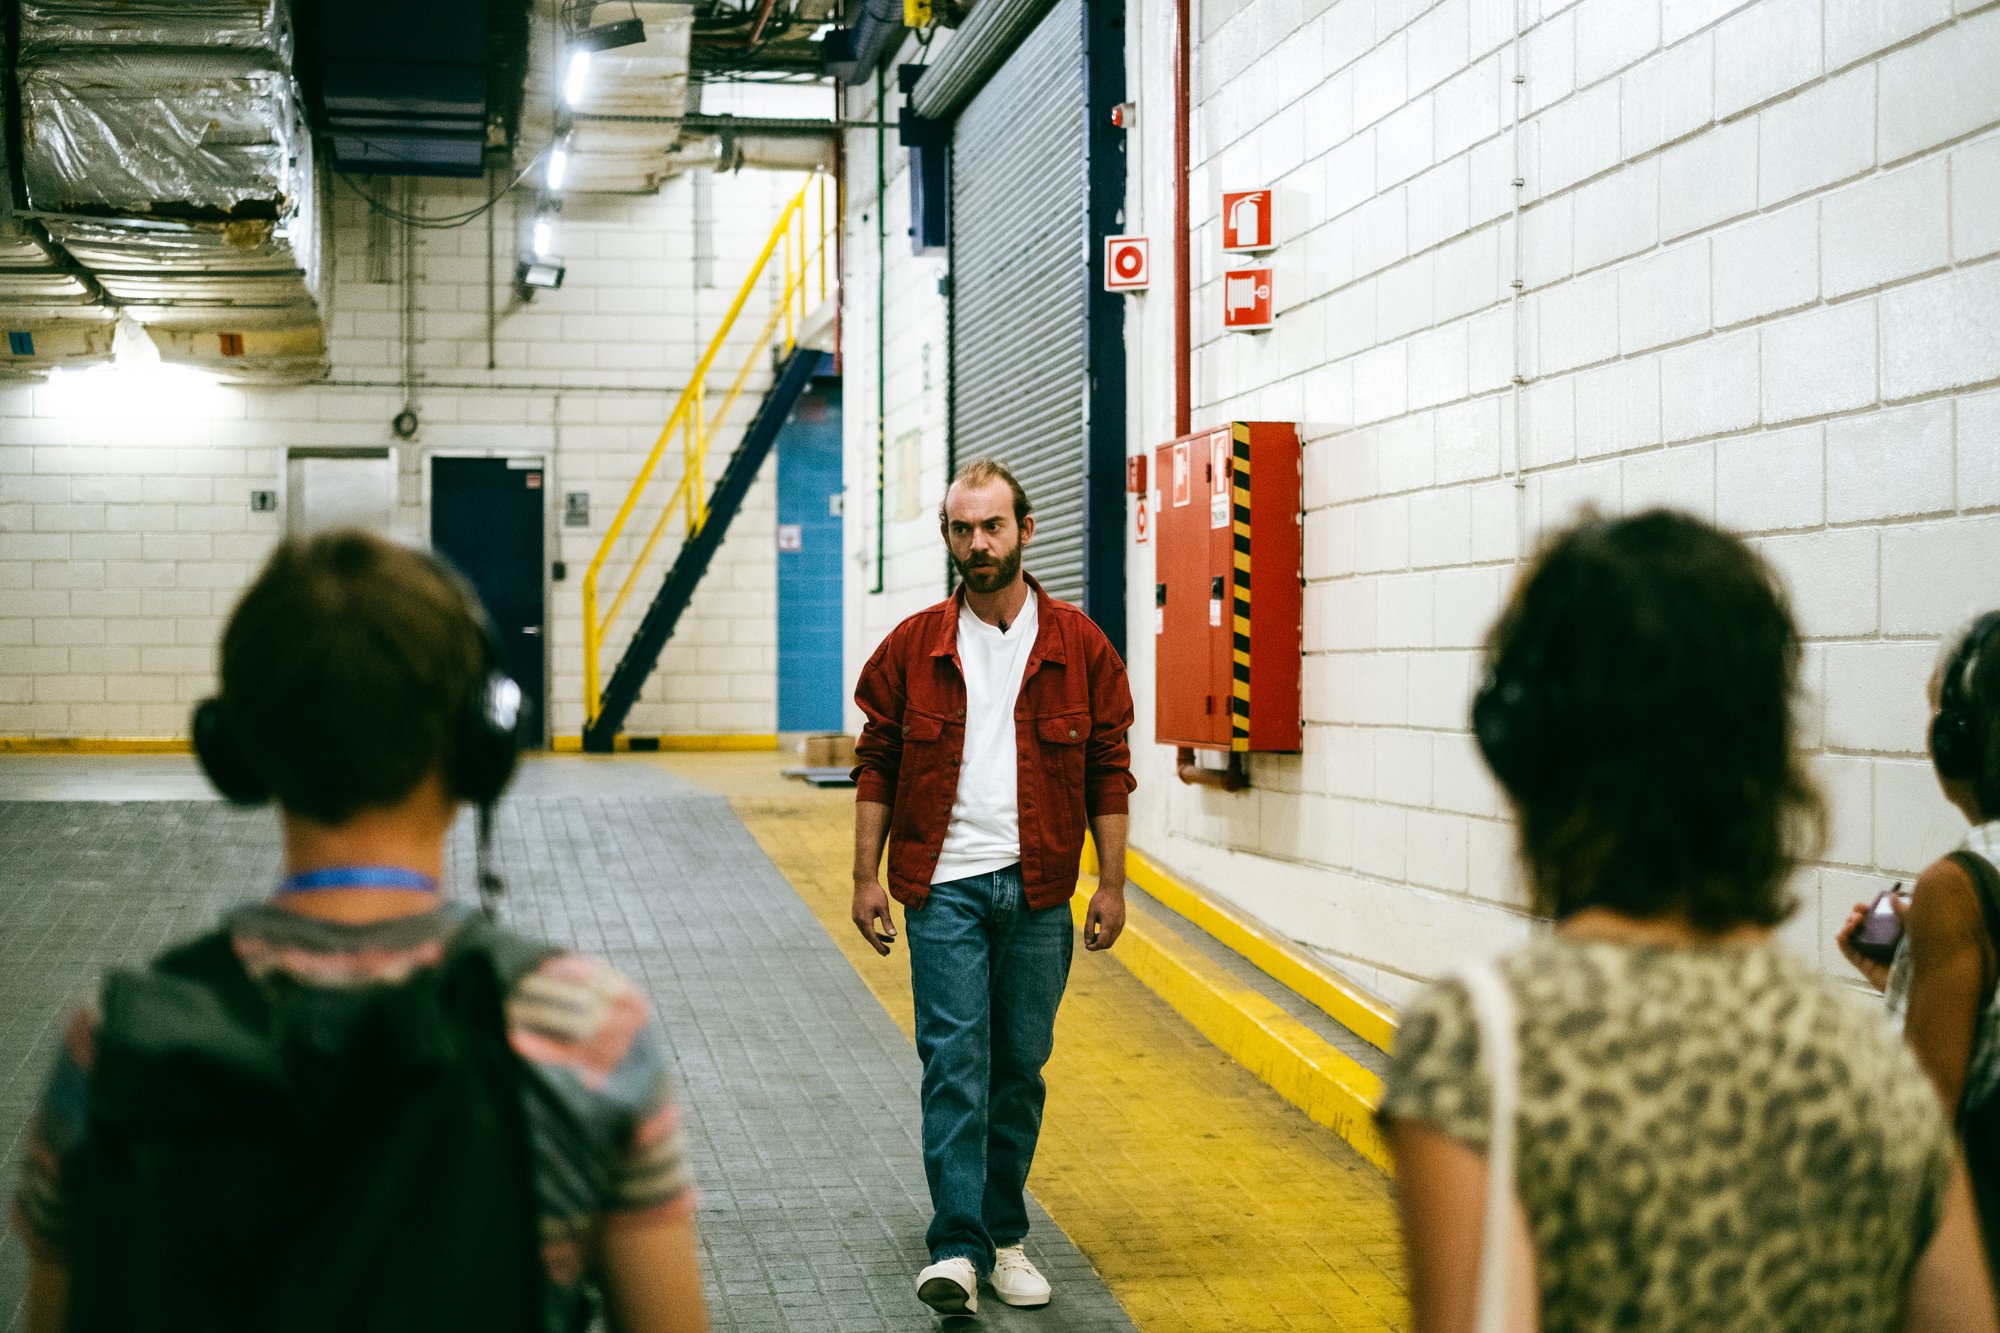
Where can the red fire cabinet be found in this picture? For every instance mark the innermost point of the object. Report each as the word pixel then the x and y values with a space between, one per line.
pixel 1228 593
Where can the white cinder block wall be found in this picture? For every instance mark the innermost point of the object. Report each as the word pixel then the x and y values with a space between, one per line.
pixel 1759 256
pixel 1759 266
pixel 125 525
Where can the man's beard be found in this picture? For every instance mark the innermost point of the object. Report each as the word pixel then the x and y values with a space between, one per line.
pixel 989 574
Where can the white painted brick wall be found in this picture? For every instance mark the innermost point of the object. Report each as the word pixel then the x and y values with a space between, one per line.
pixel 1761 266
pixel 125 528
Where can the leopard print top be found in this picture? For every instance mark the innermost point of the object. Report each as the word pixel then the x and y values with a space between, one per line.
pixel 1710 1139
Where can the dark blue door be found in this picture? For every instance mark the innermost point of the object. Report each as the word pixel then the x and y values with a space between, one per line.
pixel 809 563
pixel 487 519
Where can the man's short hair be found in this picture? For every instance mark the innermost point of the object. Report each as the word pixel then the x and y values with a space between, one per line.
pixel 979 472
pixel 345 668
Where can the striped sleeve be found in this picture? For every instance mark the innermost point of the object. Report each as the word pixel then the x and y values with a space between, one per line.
pixel 591 1034
pixel 41 1212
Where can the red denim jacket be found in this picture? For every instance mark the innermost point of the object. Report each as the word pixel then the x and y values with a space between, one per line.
pixel 1069 735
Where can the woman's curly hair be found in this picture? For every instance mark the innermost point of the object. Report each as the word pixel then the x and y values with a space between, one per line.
pixel 1647 673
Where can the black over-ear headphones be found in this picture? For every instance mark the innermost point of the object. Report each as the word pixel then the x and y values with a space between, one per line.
pixel 1510 720
pixel 485 742
pixel 1955 731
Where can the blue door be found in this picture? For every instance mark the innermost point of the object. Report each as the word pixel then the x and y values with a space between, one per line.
pixel 810 694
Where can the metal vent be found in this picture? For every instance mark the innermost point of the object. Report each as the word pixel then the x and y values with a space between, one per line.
pixel 1020 269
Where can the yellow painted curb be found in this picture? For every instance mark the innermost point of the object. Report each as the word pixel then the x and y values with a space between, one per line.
pixel 684 744
pixel 1301 1066
pixel 93 745
pixel 1363 1015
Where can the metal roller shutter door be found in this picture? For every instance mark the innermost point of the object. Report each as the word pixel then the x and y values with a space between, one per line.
pixel 1020 266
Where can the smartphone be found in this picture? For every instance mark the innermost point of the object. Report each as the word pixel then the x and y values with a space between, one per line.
pixel 1881 929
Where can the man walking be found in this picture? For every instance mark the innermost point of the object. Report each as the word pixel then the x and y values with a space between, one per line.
pixel 995 730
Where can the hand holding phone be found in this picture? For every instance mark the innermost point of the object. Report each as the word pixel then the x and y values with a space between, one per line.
pixel 1880 928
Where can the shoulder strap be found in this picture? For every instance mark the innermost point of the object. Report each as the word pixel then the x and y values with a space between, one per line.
pixel 210 961
pixel 1986 883
pixel 1986 887
pixel 1493 1011
pixel 512 956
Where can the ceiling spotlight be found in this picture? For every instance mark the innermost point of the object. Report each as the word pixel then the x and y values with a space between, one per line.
pixel 608 36
pixel 545 234
pixel 558 167
pixel 577 75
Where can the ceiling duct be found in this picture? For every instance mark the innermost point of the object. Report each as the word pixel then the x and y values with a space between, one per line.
pixel 629 102
pixel 49 316
pixel 48 26
pixel 171 179
pixel 852 54
pixel 983 42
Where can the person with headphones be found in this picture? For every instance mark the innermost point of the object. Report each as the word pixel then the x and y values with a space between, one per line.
pixel 1652 1116
pixel 360 1104
pixel 1940 978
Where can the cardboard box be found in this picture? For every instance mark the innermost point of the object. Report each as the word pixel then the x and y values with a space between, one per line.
pixel 830 750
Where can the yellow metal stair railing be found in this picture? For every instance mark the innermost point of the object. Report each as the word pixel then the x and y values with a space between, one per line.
pixel 804 250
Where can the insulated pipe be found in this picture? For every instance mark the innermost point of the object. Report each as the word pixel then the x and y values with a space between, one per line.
pixel 1233 778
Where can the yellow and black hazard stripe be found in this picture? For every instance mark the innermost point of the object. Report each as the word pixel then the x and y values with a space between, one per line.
pixel 1239 710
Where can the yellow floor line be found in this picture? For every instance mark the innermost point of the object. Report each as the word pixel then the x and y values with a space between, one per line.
pixel 694 743
pixel 1205 1201
pixel 1363 1015
pixel 93 745
pixel 1299 1064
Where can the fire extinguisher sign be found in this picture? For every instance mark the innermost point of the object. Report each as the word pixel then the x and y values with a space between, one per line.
pixel 1183 474
pixel 1248 222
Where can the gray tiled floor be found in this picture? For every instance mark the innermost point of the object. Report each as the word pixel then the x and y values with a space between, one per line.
pixel 801 1092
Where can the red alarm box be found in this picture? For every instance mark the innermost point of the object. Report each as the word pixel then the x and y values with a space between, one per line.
pixel 1229 588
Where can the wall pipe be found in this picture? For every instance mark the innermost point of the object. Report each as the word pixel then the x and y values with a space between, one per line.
pixel 1236 776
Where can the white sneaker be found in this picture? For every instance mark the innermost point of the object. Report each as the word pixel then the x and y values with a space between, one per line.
pixel 950 1286
pixel 1016 1281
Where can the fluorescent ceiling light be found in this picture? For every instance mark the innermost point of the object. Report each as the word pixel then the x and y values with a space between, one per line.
pixel 577 77
pixel 558 166
pixel 544 236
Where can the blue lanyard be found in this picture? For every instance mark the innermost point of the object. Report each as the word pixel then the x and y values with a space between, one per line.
pixel 358 877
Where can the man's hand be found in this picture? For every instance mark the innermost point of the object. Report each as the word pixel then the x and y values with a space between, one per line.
pixel 872 919
pixel 1105 920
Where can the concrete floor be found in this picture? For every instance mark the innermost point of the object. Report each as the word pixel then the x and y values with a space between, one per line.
pixel 801 1092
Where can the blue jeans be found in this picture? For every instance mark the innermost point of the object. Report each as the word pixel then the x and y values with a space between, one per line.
pixel 987 974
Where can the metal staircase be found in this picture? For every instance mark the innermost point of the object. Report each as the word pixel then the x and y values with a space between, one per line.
pixel 802 251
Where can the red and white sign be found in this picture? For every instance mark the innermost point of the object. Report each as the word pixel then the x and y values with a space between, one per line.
pixel 1246 298
pixel 1183 472
pixel 1128 264
pixel 1145 521
pixel 1247 222
pixel 1223 472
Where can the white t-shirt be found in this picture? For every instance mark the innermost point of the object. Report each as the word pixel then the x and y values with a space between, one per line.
pixel 985 832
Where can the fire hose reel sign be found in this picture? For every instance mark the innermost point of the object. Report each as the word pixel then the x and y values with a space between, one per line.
pixel 1128 265
pixel 1246 299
